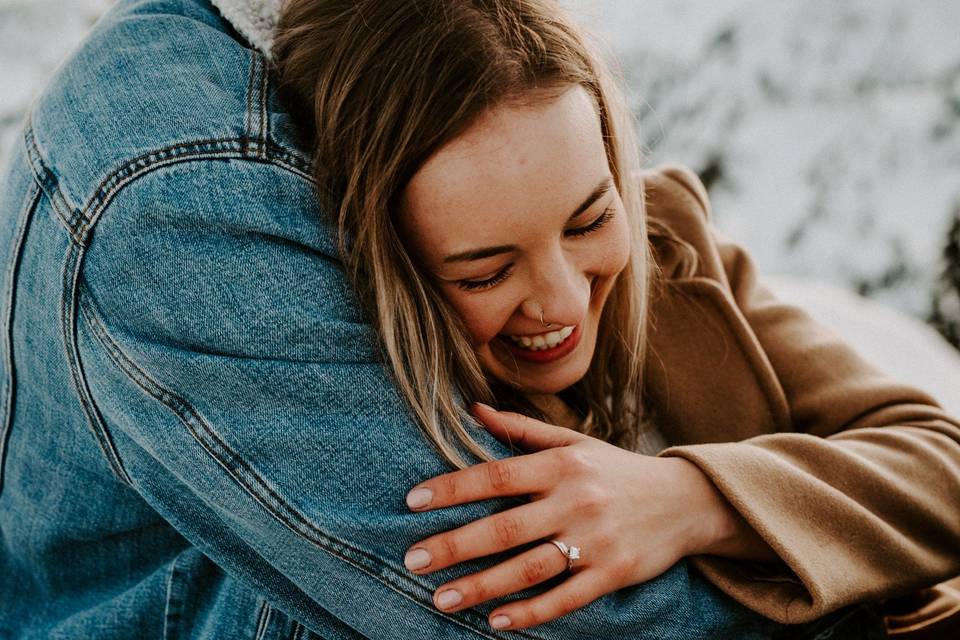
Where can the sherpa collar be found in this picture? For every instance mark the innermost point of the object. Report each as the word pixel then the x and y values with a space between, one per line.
pixel 256 20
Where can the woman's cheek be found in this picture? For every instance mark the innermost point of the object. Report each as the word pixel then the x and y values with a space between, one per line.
pixel 481 314
pixel 618 250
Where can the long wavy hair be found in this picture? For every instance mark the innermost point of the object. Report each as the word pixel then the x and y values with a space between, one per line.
pixel 378 87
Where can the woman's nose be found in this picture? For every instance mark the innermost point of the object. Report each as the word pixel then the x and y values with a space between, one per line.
pixel 561 292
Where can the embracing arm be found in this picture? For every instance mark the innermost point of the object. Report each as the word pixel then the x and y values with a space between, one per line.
pixel 227 358
pixel 861 501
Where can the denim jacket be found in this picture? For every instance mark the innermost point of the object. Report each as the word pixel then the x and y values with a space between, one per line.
pixel 198 438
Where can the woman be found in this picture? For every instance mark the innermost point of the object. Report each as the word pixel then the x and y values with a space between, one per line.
pixel 486 187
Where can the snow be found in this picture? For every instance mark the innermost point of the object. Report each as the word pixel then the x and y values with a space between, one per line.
pixel 892 341
pixel 832 128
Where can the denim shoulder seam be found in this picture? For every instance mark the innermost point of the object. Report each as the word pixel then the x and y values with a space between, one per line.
pixel 47 179
pixel 250 480
pixel 8 399
pixel 95 419
pixel 255 120
pixel 196 150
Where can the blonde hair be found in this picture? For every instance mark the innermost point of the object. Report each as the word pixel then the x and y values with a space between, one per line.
pixel 379 87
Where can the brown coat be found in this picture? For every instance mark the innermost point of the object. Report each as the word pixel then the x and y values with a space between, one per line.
pixel 851 477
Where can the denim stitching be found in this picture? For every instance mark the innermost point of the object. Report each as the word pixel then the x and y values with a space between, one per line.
pixel 72 355
pixel 169 622
pixel 112 184
pixel 248 112
pixel 263 620
pixel 248 478
pixel 264 123
pixel 10 380
pixel 290 161
pixel 48 181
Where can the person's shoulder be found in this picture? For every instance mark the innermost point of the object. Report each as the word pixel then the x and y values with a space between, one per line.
pixel 675 195
pixel 156 82
pixel 677 205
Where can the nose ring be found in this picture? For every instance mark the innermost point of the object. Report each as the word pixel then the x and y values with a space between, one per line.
pixel 546 325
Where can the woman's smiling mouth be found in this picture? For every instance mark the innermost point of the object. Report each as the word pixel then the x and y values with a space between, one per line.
pixel 543 347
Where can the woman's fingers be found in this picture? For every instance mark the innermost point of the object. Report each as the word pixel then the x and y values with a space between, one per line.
pixel 578 590
pixel 520 572
pixel 513 476
pixel 524 431
pixel 493 534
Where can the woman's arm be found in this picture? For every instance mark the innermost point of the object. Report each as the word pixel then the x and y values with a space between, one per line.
pixel 722 531
pixel 858 491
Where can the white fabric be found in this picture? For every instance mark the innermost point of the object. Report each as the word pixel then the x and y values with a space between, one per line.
pixel 256 20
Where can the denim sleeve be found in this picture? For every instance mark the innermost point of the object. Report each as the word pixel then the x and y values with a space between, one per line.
pixel 227 358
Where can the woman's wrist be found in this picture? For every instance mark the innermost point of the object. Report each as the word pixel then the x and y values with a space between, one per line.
pixel 715 527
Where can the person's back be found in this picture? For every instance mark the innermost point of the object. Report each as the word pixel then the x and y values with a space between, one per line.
pixel 189 386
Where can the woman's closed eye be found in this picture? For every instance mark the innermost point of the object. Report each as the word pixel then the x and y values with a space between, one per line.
pixel 600 220
pixel 503 274
pixel 495 279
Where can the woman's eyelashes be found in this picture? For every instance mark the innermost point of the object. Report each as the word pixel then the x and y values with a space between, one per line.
pixel 476 285
pixel 503 274
pixel 601 220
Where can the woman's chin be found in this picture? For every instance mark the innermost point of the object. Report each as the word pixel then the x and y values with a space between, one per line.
pixel 526 378
pixel 535 374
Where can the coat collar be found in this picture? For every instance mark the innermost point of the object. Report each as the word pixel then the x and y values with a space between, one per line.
pixel 255 20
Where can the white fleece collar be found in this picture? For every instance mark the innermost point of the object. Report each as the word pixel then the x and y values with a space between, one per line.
pixel 256 20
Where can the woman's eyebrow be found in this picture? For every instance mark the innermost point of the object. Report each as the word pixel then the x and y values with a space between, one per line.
pixel 478 254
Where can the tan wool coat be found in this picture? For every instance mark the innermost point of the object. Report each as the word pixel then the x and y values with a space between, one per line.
pixel 853 478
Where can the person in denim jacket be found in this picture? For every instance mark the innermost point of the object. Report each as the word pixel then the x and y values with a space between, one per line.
pixel 200 437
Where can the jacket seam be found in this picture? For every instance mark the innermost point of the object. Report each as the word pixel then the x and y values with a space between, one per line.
pixel 85 219
pixel 71 353
pixel 7 402
pixel 48 181
pixel 263 620
pixel 206 149
pixel 171 620
pixel 251 482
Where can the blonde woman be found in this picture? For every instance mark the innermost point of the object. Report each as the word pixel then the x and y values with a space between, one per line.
pixel 477 160
pixel 202 434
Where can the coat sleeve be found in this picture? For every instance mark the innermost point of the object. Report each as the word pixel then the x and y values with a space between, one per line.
pixel 862 499
pixel 228 360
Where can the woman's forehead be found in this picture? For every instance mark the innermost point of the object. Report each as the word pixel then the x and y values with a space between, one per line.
pixel 515 167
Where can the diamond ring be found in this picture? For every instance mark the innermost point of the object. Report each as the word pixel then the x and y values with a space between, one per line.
pixel 572 553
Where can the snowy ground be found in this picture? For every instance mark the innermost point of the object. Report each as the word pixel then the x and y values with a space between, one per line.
pixel 829 130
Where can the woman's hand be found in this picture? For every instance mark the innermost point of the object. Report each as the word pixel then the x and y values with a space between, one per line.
pixel 632 516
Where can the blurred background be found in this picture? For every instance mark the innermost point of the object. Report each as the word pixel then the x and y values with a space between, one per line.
pixel 828 133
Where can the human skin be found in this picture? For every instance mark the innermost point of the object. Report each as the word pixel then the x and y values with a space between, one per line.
pixel 504 190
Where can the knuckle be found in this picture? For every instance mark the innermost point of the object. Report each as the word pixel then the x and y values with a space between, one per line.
pixel 447 486
pixel 591 499
pixel 574 460
pixel 508 529
pixel 479 591
pixel 500 473
pixel 567 603
pixel 449 548
pixel 533 570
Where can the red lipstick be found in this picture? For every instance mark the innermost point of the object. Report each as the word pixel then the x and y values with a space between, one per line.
pixel 544 356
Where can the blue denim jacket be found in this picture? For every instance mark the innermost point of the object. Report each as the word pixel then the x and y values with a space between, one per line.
pixel 197 437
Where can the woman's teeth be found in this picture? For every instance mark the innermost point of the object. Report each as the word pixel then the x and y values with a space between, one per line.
pixel 543 340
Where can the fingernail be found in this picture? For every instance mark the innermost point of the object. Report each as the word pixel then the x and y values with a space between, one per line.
pixel 419 498
pixel 449 598
pixel 485 406
pixel 417 559
pixel 500 622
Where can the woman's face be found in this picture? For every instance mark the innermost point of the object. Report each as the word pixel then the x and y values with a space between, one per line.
pixel 516 217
